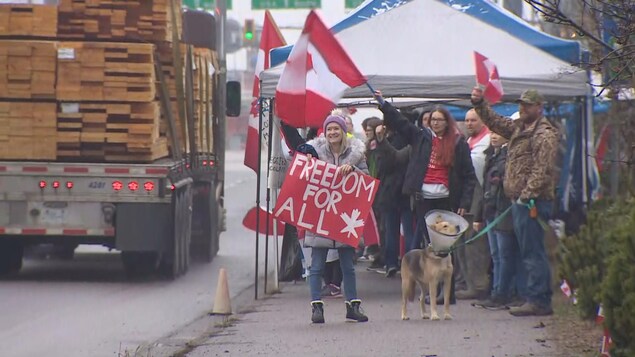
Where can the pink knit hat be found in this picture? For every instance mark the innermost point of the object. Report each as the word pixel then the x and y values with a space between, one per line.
pixel 334 119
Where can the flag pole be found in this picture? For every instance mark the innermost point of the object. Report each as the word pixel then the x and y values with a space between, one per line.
pixel 260 102
pixel 268 198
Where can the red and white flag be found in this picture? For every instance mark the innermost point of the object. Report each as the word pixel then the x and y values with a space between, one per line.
pixel 487 77
pixel 317 73
pixel 565 288
pixel 270 38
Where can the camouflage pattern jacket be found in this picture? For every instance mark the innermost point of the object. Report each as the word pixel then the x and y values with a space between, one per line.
pixel 530 170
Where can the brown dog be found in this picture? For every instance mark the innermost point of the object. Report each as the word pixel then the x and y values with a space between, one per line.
pixel 424 267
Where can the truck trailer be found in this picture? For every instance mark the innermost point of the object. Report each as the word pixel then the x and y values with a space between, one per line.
pixel 160 209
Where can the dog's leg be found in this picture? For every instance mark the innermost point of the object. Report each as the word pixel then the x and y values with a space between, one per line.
pixel 422 301
pixel 447 287
pixel 407 290
pixel 433 299
pixel 406 287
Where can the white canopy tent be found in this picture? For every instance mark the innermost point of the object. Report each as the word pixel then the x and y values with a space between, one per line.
pixel 424 49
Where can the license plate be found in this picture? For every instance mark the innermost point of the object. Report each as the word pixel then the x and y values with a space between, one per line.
pixel 53 216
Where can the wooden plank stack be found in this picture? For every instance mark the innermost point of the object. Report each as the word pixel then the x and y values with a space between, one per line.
pixel 77 80
pixel 105 71
pixel 126 20
pixel 28 20
pixel 27 69
pixel 27 130
pixel 109 130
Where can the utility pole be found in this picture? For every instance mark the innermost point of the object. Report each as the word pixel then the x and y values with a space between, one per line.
pixel 221 12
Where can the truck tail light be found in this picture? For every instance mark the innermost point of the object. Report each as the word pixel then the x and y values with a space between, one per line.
pixel 133 185
pixel 148 186
pixel 117 185
pixel 69 184
pixel 42 184
pixel 56 184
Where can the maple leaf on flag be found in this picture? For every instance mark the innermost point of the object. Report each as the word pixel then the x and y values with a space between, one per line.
pixel 352 222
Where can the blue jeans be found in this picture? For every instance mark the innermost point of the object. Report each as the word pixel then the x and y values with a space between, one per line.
pixel 392 219
pixel 318 260
pixel 408 224
pixel 531 241
pixel 508 267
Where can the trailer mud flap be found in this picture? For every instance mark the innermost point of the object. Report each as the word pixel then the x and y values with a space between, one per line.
pixel 143 227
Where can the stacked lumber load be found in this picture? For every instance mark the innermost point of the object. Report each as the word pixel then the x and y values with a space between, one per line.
pixel 26 20
pixel 105 71
pixel 127 20
pixel 109 132
pixel 204 64
pixel 27 69
pixel 77 80
pixel 28 131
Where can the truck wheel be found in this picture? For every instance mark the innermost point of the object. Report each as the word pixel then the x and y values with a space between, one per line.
pixel 140 264
pixel 11 253
pixel 176 260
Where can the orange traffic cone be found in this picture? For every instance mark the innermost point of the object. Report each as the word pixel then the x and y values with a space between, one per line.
pixel 222 305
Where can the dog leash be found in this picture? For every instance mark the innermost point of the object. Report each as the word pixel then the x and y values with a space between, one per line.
pixel 492 224
pixel 483 231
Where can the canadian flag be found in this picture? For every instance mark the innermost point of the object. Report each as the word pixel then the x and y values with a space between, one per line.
pixel 270 38
pixel 487 76
pixel 315 77
pixel 565 288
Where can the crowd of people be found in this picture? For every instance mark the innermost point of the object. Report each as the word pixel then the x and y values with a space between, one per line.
pixel 498 174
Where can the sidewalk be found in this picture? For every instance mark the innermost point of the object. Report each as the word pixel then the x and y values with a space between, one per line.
pixel 280 326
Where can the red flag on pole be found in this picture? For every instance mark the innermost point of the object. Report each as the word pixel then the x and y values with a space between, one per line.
pixel 487 76
pixel 249 222
pixel 315 77
pixel 270 38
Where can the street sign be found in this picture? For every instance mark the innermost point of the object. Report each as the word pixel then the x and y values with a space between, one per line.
pixel 204 4
pixel 285 4
pixel 352 4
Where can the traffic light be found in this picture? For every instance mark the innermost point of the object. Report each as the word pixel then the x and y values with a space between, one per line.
pixel 249 32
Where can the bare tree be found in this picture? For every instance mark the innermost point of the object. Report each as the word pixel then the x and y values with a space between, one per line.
pixel 608 29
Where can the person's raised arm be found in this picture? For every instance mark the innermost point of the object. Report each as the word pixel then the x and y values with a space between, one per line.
pixel 396 121
pixel 291 134
pixel 495 122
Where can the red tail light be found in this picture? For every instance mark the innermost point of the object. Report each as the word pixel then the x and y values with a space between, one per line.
pixel 56 184
pixel 148 186
pixel 69 184
pixel 42 184
pixel 117 185
pixel 133 185
pixel 172 187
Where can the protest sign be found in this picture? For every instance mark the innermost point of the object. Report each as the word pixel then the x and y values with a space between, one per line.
pixel 316 197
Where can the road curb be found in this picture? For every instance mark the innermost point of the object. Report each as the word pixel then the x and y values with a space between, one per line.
pixel 195 333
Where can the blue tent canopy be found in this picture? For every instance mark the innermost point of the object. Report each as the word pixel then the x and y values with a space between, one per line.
pixel 567 51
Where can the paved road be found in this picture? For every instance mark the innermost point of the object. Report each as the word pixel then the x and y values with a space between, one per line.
pixel 280 326
pixel 86 307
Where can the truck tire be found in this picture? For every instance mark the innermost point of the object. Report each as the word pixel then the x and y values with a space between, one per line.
pixel 176 259
pixel 205 222
pixel 11 252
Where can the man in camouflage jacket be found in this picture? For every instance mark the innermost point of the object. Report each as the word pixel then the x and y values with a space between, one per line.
pixel 529 183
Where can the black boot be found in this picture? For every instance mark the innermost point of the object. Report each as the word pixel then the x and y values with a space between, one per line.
pixel 354 311
pixel 317 316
